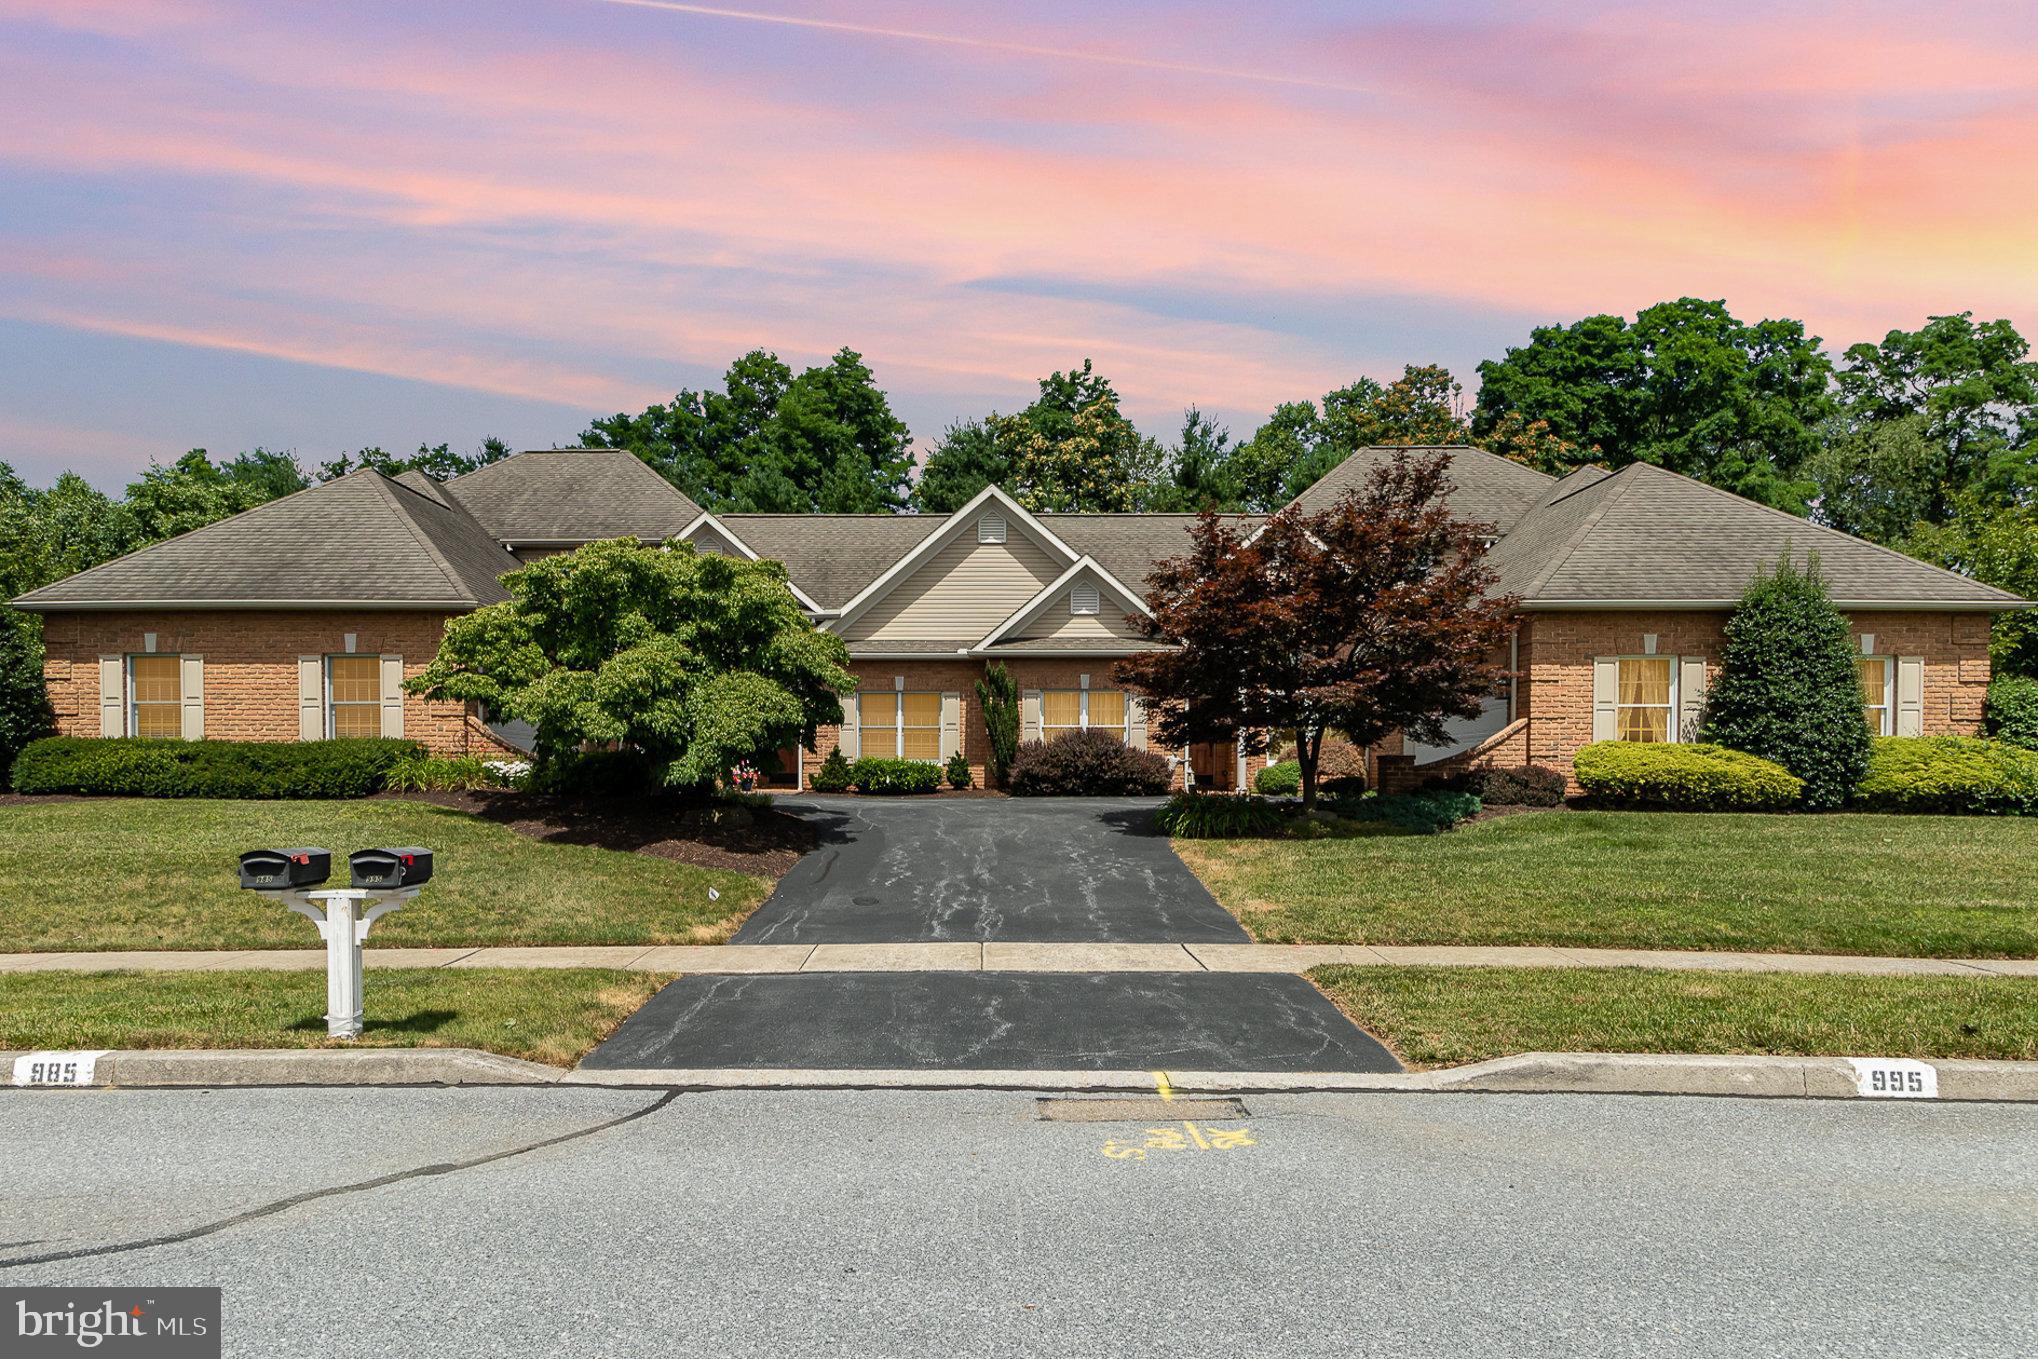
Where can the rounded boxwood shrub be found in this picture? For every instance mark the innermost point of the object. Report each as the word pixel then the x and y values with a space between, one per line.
pixel 1521 785
pixel 881 774
pixel 1218 816
pixel 1087 764
pixel 2012 710
pixel 1687 777
pixel 132 766
pixel 957 772
pixel 1949 774
pixel 1427 811
pixel 835 774
pixel 1280 779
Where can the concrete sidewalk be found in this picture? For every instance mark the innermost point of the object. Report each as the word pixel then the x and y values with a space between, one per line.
pixel 997 957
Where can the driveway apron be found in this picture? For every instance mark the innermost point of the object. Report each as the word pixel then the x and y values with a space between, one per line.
pixel 982 870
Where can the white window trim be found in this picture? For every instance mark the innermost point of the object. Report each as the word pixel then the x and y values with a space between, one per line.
pixel 134 722
pixel 899 728
pixel 1888 706
pixel 326 678
pixel 1124 730
pixel 1672 727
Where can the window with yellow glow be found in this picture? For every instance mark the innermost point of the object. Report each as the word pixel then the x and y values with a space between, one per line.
pixel 154 701
pixel 1643 704
pixel 1875 695
pixel 900 726
pixel 1065 710
pixel 353 696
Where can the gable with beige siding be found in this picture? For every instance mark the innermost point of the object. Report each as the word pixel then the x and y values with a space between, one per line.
pixel 961 592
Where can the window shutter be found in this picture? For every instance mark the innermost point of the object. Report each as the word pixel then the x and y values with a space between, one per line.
pixel 1135 719
pixel 392 695
pixel 850 739
pixel 191 695
pixel 1690 696
pixel 1605 691
pixel 1910 695
pixel 1029 715
pixel 951 724
pixel 112 696
pixel 311 698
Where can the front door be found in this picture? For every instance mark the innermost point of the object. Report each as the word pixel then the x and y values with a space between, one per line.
pixel 1215 764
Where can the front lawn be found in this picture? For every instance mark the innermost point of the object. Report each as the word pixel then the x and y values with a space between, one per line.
pixel 1916 886
pixel 1433 1016
pixel 542 1014
pixel 143 873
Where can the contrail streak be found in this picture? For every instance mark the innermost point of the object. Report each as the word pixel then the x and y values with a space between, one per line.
pixel 991 45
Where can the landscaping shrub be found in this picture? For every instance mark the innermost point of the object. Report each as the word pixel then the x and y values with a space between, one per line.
pixel 998 696
pixel 1339 760
pixel 835 774
pixel 1949 774
pixel 1086 764
pixel 957 773
pixel 1788 688
pixel 1218 816
pixel 601 773
pixel 1346 786
pixel 130 766
pixel 881 774
pixel 1521 785
pixel 1685 777
pixel 1427 811
pixel 1281 779
pixel 2011 713
pixel 442 773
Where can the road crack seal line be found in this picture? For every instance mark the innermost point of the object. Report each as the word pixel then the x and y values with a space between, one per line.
pixel 335 1191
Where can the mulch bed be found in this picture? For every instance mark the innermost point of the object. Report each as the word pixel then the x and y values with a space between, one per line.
pixel 35 799
pixel 763 842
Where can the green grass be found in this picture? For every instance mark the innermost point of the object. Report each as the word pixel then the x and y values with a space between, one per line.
pixel 142 873
pixel 1906 885
pixel 1433 1016
pixel 542 1014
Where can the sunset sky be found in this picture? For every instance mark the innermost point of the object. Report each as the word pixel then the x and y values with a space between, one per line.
pixel 320 226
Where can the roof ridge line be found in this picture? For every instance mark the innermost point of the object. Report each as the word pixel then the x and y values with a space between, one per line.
pixel 1577 535
pixel 388 485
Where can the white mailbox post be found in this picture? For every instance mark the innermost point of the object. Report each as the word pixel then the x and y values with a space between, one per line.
pixel 343 916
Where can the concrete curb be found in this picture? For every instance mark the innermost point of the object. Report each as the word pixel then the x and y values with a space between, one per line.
pixel 1529 1073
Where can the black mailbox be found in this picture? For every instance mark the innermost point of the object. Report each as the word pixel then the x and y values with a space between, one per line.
pixel 280 870
pixel 410 866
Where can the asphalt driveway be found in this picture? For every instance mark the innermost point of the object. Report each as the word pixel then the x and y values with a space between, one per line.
pixel 1018 870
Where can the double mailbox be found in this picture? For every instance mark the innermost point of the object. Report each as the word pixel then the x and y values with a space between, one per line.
pixel 286 870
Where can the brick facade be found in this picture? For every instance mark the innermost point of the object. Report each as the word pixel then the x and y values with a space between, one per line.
pixel 251 667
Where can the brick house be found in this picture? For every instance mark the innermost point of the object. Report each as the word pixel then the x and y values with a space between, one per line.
pixel 300 619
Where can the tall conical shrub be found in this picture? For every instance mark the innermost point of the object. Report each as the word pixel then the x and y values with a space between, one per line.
pixel 1788 687
pixel 998 695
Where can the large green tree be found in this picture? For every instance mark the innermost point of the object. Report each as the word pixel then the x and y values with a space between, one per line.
pixel 1685 386
pixel 824 440
pixel 694 660
pixel 1997 545
pixel 965 459
pixel 434 460
pixel 1303 440
pixel 194 491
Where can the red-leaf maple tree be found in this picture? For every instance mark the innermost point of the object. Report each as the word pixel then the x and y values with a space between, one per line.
pixel 1369 617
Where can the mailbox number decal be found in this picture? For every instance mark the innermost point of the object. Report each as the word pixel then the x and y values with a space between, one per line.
pixel 1895 1078
pixel 56 1068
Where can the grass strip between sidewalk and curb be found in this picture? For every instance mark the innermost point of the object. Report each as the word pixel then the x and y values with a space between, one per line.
pixel 550 1016
pixel 131 873
pixel 1436 1017
pixel 1893 886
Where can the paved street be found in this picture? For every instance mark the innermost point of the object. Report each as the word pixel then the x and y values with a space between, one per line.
pixel 889 1223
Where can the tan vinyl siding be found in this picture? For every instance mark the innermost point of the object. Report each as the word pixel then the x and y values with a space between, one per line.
pixel 1055 621
pixel 964 590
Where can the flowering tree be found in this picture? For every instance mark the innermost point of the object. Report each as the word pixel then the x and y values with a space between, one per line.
pixel 1370 617
pixel 695 660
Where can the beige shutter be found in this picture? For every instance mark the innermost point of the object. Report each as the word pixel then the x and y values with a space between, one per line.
pixel 1605 694
pixel 112 696
pixel 1135 717
pixel 1690 696
pixel 850 740
pixel 1910 695
pixel 191 695
pixel 392 695
pixel 311 698
pixel 1029 715
pixel 951 724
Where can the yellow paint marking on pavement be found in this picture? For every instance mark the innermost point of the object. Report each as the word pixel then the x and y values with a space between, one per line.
pixel 1160 1081
pixel 1187 1137
pixel 1196 1135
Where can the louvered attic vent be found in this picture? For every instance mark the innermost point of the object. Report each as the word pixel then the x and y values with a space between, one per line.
pixel 991 529
pixel 1083 599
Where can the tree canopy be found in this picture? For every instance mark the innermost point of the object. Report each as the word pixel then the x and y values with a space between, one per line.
pixel 1367 618
pixel 694 660
pixel 825 440
pixel 434 460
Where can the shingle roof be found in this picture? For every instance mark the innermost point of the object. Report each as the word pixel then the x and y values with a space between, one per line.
pixel 359 540
pixel 832 556
pixel 1647 535
pixel 1128 545
pixel 1485 488
pixel 572 495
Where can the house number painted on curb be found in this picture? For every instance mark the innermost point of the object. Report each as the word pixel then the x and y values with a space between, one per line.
pixel 56 1068
pixel 1186 1137
pixel 1894 1078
